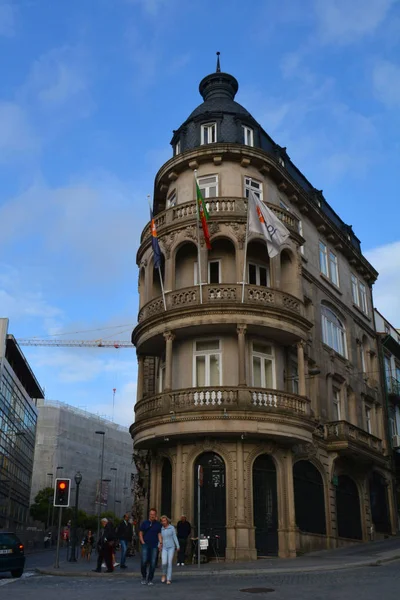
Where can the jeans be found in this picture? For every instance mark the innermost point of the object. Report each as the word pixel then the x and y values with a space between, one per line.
pixel 182 550
pixel 124 547
pixel 167 556
pixel 149 555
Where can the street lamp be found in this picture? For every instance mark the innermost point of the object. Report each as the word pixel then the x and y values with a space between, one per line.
pixel 115 485
pixel 102 433
pixel 78 479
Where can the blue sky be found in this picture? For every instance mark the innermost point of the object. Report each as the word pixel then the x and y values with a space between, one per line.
pixel 90 93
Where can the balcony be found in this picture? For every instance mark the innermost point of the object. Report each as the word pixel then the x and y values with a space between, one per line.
pixel 393 388
pixel 225 410
pixel 222 295
pixel 218 208
pixel 343 437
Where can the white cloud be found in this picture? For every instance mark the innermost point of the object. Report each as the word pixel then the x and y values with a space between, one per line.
pixel 386 260
pixel 16 135
pixel 7 19
pixel 344 21
pixel 386 82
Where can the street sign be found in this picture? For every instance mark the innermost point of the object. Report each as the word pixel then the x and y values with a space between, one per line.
pixel 62 492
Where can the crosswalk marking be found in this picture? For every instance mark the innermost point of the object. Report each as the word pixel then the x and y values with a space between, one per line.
pixel 14 580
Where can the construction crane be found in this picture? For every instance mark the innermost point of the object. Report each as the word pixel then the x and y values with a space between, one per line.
pixel 76 343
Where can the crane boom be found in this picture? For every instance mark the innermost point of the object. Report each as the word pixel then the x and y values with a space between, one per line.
pixel 76 343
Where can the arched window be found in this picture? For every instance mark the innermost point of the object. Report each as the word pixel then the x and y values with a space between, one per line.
pixel 333 331
pixel 309 498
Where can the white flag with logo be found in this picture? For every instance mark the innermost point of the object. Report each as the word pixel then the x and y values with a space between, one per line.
pixel 263 221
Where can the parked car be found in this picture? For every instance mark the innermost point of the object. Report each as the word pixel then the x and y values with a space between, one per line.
pixel 12 557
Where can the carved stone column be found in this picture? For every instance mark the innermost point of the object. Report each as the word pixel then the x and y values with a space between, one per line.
pixel 241 332
pixel 301 368
pixel 140 378
pixel 240 483
pixel 169 338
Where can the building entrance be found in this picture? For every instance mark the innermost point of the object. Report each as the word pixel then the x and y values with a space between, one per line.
pixel 265 506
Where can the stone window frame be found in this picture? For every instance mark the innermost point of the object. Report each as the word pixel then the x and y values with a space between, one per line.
pixel 263 355
pixel 359 293
pixel 206 353
pixel 327 258
pixel 205 189
pixel 341 328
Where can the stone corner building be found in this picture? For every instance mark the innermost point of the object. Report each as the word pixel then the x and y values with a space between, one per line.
pixel 276 396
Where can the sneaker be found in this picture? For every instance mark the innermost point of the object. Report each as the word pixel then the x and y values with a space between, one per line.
pixel 150 583
pixel 143 582
pixel 123 567
pixel 116 564
pixel 104 565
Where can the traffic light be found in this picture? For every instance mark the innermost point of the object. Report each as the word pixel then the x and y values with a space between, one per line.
pixel 62 492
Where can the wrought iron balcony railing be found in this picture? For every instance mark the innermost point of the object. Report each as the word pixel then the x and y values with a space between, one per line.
pixel 222 293
pixel 346 432
pixel 393 386
pixel 236 207
pixel 228 398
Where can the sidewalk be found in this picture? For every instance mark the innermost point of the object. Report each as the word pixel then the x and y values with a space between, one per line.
pixel 360 555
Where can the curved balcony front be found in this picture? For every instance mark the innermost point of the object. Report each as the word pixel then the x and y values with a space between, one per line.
pixel 262 307
pixel 226 411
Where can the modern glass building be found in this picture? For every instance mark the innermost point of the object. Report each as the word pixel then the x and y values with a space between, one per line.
pixel 19 390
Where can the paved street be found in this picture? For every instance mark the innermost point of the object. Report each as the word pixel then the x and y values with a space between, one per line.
pixel 370 583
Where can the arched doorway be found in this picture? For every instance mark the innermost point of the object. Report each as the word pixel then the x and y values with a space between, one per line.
pixel 379 503
pixel 265 506
pixel 212 500
pixel 348 513
pixel 166 488
pixel 309 498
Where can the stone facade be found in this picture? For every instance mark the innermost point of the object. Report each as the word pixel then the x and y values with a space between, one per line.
pixel 271 386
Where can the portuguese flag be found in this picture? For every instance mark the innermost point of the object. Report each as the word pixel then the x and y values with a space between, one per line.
pixel 203 216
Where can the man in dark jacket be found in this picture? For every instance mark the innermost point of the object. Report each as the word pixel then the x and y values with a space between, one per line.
pixel 124 534
pixel 183 530
pixel 105 546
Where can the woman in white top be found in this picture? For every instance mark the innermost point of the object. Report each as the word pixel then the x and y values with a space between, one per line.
pixel 169 544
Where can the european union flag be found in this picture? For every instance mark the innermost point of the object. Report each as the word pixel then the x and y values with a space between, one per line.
pixel 154 242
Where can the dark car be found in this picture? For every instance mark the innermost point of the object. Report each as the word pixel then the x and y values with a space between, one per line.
pixel 12 556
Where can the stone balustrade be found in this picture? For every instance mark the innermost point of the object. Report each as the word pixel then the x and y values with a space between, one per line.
pixel 234 207
pixel 223 399
pixel 344 431
pixel 214 294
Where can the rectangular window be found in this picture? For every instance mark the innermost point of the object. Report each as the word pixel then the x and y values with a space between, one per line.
pixel 258 275
pixel 253 184
pixel 263 366
pixel 294 377
pixel 171 200
pixel 363 361
pixel 333 268
pixel 177 147
pixel 363 298
pixel 214 271
pixel 323 259
pixel 208 186
pixel 368 419
pixel 207 361
pixel 161 377
pixel 301 233
pixel 354 290
pixel 337 413
pixel 208 133
pixel 248 136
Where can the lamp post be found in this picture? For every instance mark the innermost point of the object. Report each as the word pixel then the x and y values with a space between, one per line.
pixel 78 479
pixel 115 485
pixel 102 433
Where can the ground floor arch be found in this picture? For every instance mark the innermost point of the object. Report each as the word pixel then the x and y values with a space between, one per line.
pixel 348 514
pixel 309 498
pixel 265 506
pixel 378 494
pixel 212 500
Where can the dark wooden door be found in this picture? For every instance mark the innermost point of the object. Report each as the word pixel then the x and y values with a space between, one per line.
pixel 265 506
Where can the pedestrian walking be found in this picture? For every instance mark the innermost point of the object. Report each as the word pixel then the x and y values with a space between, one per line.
pixel 88 543
pixel 105 546
pixel 151 540
pixel 125 535
pixel 169 544
pixel 183 529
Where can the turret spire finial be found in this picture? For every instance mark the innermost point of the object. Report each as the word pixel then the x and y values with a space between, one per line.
pixel 218 63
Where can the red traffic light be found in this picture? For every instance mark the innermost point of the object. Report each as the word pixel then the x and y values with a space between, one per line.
pixel 62 485
pixel 62 492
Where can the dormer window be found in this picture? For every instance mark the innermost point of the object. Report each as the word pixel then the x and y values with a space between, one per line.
pixel 281 161
pixel 171 200
pixel 209 133
pixel 248 136
pixel 178 147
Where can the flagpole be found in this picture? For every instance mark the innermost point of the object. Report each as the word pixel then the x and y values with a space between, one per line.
pixel 245 247
pixel 198 241
pixel 159 268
